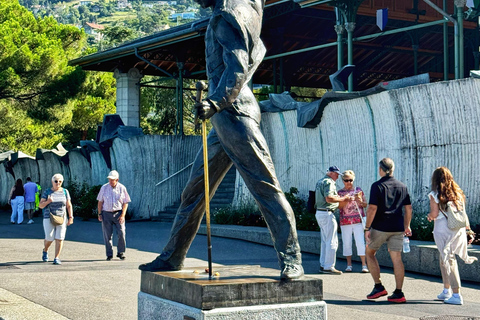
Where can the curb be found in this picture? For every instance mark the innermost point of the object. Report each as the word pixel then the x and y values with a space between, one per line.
pixel 423 256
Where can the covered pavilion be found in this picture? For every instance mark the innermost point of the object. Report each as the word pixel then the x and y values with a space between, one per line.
pixel 307 41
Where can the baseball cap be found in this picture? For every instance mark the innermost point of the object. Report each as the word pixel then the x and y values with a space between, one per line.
pixel 113 175
pixel 335 169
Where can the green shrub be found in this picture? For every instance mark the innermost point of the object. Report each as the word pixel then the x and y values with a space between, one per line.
pixel 422 229
pixel 304 219
pixel 247 215
pixel 84 199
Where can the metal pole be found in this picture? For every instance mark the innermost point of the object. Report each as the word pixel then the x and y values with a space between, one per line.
pixel 200 85
pixel 350 26
pixel 207 196
pixel 339 29
pixel 445 45
pixel 180 98
pixel 461 55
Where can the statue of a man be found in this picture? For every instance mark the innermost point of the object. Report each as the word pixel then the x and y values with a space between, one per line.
pixel 233 52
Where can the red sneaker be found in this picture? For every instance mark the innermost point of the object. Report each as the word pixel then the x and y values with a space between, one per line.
pixel 397 298
pixel 377 293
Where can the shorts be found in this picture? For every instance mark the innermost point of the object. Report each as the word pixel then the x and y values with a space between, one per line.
pixel 29 206
pixel 394 240
pixel 54 232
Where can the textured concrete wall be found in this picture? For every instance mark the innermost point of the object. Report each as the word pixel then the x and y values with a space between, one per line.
pixel 141 161
pixel 144 161
pixel 419 127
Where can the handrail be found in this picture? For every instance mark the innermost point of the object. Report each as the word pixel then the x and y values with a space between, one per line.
pixel 183 169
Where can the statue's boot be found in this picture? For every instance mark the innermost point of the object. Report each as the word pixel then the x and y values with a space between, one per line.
pixel 159 265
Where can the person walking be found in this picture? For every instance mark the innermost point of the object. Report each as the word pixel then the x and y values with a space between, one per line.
pixel 37 198
pixel 351 215
pixel 113 202
pixel 17 200
pixel 386 222
pixel 326 202
pixel 233 52
pixel 447 193
pixel 55 200
pixel 30 192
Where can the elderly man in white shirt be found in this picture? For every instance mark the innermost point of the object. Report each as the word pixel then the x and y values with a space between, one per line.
pixel 113 202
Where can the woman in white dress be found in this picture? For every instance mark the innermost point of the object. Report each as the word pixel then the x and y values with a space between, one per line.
pixel 449 242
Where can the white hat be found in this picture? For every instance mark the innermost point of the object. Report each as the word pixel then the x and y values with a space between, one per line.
pixel 113 175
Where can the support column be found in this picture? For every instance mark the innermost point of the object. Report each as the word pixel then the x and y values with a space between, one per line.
pixel 179 124
pixel 445 45
pixel 128 96
pixel 339 29
pixel 459 5
pixel 350 27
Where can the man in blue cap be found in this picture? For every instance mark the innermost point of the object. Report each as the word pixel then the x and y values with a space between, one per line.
pixel 326 202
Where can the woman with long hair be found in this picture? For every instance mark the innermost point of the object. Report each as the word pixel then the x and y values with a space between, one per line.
pixel 17 201
pixel 446 192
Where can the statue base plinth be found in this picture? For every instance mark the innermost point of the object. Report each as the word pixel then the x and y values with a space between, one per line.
pixel 238 292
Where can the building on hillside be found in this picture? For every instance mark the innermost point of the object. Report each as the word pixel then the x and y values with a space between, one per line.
pixel 85 2
pixel 93 29
pixel 183 16
pixel 123 4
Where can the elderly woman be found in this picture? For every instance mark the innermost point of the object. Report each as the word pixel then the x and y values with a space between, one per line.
pixel 17 200
pixel 446 192
pixel 351 214
pixel 57 201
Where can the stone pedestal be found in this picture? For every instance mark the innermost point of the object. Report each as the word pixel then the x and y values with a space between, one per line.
pixel 238 292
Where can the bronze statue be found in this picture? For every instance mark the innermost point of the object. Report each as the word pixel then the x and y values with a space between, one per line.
pixel 233 52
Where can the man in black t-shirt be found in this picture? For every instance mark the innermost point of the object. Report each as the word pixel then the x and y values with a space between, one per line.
pixel 386 222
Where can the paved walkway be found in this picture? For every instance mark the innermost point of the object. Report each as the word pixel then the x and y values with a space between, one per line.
pixel 86 286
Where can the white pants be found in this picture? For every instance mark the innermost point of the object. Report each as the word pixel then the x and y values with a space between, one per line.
pixel 329 243
pixel 358 232
pixel 17 209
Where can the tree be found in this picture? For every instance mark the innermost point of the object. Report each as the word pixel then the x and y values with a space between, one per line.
pixel 38 89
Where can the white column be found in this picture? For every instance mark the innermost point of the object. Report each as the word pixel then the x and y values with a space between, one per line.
pixel 128 96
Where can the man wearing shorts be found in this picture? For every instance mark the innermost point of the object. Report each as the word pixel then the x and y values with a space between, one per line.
pixel 30 191
pixel 386 222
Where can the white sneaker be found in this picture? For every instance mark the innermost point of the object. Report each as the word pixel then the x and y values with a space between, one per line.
pixel 365 269
pixel 444 296
pixel 454 300
pixel 349 269
pixel 30 221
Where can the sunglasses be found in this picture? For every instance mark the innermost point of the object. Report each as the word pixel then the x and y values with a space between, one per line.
pixel 56 181
pixel 347 180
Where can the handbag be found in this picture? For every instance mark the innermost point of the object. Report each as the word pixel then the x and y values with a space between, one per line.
pixel 456 219
pixel 57 220
pixel 311 202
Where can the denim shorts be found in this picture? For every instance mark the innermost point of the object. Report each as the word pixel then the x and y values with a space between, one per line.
pixel 394 240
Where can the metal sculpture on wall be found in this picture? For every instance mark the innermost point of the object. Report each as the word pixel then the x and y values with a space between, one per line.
pixel 233 52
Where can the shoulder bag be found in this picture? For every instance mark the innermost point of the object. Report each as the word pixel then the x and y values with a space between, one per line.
pixel 456 219
pixel 58 220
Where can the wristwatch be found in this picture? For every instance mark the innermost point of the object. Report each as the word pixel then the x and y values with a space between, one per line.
pixel 367 229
